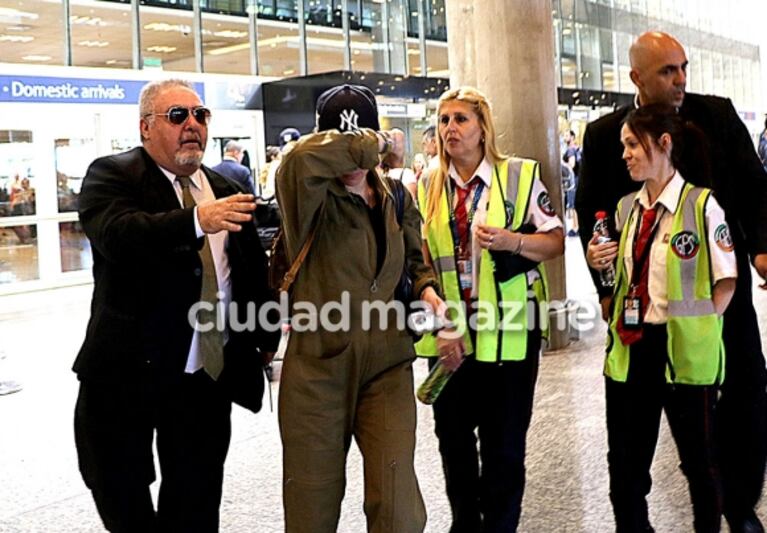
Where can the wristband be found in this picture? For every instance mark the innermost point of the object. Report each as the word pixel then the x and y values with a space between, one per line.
pixel 388 142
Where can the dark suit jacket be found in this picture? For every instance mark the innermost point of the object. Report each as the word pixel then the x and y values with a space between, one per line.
pixel 738 179
pixel 236 172
pixel 147 271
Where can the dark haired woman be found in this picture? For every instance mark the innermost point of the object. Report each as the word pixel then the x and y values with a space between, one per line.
pixel 675 277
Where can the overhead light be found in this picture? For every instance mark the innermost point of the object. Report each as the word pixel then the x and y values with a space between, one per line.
pixel 292 40
pixel 162 49
pixel 10 13
pixel 94 44
pixel 164 26
pixel 18 27
pixel 288 71
pixel 16 38
pixel 86 20
pixel 230 49
pixel 231 34
pixel 36 58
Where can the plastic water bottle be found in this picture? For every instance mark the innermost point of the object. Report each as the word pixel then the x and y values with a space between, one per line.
pixel 606 276
pixel 432 386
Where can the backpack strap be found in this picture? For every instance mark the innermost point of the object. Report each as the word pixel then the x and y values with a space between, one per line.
pixel 292 273
pixel 399 199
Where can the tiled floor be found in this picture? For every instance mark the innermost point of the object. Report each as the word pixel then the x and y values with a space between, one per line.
pixel 41 490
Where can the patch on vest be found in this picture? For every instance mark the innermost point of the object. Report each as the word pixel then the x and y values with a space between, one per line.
pixel 544 202
pixel 508 206
pixel 685 244
pixel 723 237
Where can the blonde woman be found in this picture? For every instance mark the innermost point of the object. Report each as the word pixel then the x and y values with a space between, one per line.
pixel 488 225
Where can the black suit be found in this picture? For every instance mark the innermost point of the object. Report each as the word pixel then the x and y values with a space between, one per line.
pixel 147 274
pixel 740 185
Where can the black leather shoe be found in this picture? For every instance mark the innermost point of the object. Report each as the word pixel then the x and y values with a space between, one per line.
pixel 747 525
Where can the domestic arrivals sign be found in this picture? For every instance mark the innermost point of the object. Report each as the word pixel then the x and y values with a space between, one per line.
pixel 73 90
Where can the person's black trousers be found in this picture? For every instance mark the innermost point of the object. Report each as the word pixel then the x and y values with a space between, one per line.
pixel 115 424
pixel 496 399
pixel 742 410
pixel 633 421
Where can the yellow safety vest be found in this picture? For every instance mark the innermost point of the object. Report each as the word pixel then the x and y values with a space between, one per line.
pixel 502 334
pixel 695 348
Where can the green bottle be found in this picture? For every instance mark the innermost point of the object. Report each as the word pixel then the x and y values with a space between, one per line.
pixel 432 386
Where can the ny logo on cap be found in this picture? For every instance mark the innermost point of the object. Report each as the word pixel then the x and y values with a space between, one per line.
pixel 349 119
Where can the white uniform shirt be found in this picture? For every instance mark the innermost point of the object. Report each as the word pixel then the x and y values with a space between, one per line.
pixel 201 192
pixel 405 175
pixel 539 212
pixel 723 263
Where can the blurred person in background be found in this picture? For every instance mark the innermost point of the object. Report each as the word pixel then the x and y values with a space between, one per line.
pixel 231 166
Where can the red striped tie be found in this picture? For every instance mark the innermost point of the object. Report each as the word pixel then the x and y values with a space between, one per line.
pixel 641 261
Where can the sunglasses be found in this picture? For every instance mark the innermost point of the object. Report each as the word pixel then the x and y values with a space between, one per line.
pixel 178 115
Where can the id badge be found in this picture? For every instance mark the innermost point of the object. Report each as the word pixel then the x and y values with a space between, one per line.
pixel 464 273
pixel 632 311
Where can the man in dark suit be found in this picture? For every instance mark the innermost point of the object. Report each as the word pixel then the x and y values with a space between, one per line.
pixel 165 231
pixel 231 166
pixel 658 69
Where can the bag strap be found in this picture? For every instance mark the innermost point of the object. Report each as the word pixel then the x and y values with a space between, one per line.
pixel 399 199
pixel 292 273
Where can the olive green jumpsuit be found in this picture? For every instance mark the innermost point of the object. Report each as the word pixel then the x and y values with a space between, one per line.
pixel 339 384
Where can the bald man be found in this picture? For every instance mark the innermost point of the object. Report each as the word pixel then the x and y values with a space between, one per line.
pixel 659 72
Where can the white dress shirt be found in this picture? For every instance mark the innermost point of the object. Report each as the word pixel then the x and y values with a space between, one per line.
pixel 723 263
pixel 201 192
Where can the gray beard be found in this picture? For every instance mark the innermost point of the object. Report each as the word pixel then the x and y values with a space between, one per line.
pixel 188 160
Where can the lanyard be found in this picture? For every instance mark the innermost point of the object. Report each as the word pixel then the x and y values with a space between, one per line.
pixel 640 261
pixel 470 215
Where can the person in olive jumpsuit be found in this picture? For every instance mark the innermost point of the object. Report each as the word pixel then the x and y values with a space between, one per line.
pixel 354 381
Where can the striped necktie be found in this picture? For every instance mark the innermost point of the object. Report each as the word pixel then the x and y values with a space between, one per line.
pixel 211 343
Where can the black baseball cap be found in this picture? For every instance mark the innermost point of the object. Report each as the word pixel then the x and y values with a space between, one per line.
pixel 289 134
pixel 347 108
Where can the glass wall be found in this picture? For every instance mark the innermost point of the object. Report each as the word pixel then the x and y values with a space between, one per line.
pixel 225 44
pixel 593 38
pixel 102 34
pixel 18 207
pixel 278 53
pixel 324 38
pixel 32 32
pixel 167 42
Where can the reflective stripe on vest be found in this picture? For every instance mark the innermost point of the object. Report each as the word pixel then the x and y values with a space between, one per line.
pixel 493 344
pixel 695 349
